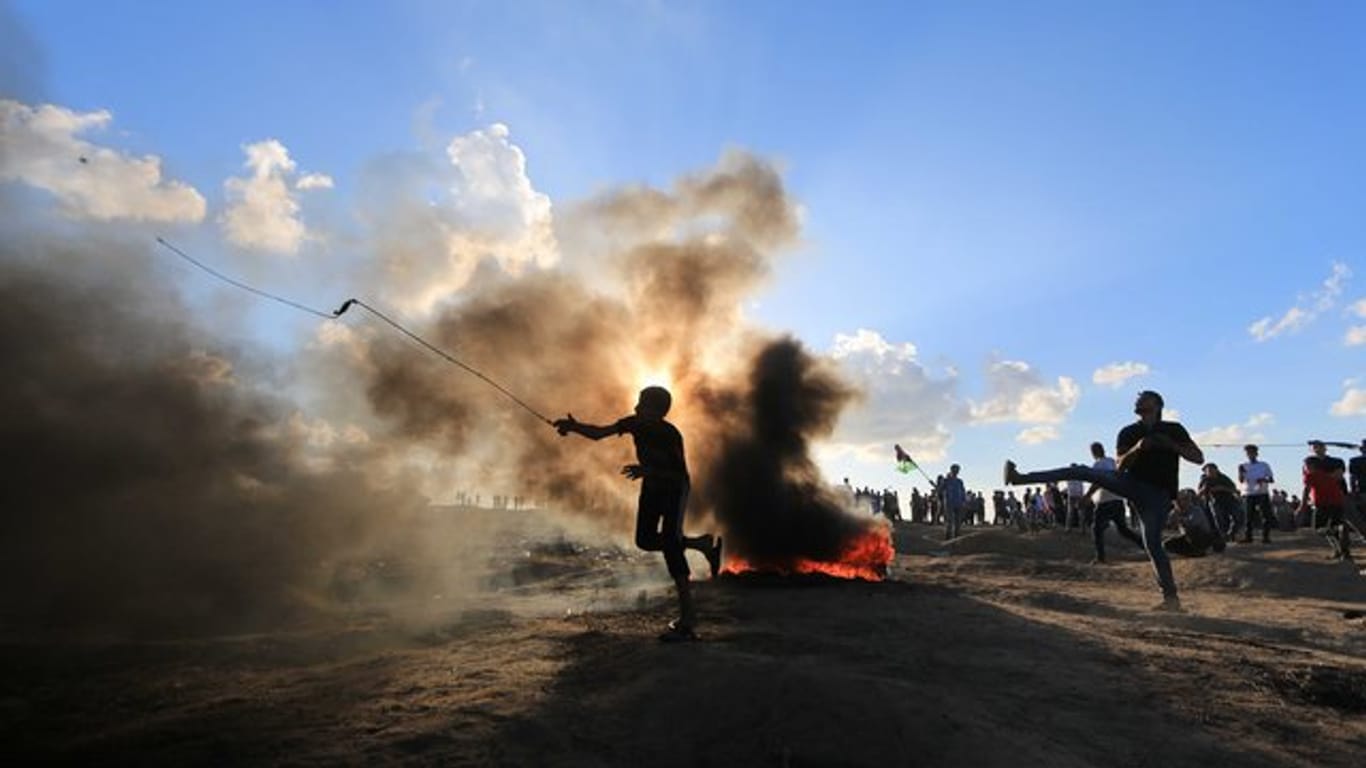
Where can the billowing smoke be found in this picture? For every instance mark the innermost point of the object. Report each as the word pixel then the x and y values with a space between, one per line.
pixel 151 486
pixel 653 287
pixel 161 481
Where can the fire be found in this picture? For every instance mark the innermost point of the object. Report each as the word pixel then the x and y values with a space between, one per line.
pixel 866 557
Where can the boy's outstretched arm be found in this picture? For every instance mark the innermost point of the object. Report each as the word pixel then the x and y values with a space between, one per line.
pixel 591 431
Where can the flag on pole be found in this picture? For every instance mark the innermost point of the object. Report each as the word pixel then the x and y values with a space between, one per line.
pixel 904 463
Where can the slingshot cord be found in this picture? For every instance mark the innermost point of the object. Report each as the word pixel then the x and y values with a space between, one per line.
pixel 334 315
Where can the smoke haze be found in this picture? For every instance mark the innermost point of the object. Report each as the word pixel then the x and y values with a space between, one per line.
pixel 163 482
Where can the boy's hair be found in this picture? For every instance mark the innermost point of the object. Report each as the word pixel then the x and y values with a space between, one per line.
pixel 1148 393
pixel 657 398
pixel 1097 449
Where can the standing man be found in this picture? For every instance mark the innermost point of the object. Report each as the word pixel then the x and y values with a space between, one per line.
pixel 1356 469
pixel 1109 506
pixel 1325 484
pixel 1256 478
pixel 1149 453
pixel 954 496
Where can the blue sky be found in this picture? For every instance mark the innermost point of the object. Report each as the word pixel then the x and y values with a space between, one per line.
pixel 1066 185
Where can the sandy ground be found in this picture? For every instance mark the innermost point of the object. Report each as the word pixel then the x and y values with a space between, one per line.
pixel 1001 649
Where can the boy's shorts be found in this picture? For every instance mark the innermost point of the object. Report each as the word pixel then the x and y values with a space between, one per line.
pixel 659 524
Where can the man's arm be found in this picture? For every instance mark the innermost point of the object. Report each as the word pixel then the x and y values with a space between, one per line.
pixel 1304 495
pixel 1125 454
pixel 1182 445
pixel 591 431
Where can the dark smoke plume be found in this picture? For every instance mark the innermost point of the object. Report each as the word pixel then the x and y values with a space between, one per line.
pixel 150 488
pixel 765 489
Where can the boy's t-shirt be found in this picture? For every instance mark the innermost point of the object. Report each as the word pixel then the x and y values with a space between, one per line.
pixel 659 445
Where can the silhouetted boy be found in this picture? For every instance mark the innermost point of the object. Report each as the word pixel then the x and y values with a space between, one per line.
pixel 663 495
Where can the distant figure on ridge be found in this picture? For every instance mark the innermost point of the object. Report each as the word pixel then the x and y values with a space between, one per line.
pixel 1148 454
pixel 663 470
pixel 955 497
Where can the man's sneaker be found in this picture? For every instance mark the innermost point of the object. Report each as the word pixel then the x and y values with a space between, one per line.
pixel 714 556
pixel 1169 605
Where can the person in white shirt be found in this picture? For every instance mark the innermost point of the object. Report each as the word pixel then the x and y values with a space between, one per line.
pixel 1109 506
pixel 1256 478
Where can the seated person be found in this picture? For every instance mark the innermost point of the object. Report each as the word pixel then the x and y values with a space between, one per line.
pixel 1199 534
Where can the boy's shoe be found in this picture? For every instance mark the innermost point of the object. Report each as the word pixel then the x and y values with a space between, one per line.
pixel 678 633
pixel 1169 605
pixel 714 556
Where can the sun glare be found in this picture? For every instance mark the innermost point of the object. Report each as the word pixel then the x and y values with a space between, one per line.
pixel 654 378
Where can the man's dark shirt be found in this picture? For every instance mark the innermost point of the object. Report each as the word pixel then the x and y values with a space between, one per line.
pixel 1356 468
pixel 659 446
pixel 1155 466
pixel 1220 485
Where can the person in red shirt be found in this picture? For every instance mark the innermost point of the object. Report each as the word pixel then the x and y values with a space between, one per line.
pixel 1325 485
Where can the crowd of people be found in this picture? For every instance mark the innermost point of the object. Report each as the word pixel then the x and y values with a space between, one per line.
pixel 1138 493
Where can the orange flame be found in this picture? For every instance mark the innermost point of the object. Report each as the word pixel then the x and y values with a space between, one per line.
pixel 866 557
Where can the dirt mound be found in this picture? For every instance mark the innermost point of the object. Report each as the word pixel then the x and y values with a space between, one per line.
pixel 999 649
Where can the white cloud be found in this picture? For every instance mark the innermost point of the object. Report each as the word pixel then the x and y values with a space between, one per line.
pixel 901 402
pixel 39 146
pixel 1306 308
pixel 866 342
pixel 1356 336
pixel 1358 308
pixel 263 213
pixel 436 221
pixel 1353 402
pixel 1015 392
pixel 1037 435
pixel 1248 431
pixel 1115 374
pixel 314 181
